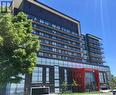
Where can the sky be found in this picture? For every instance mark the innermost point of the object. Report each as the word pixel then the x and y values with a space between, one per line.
pixel 97 17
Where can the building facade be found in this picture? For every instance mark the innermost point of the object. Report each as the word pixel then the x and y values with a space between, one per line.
pixel 66 55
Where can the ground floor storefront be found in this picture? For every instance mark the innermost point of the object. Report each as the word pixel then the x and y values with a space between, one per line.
pixel 54 76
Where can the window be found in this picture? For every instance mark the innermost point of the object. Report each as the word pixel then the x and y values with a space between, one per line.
pixel 56 83
pixel 41 21
pixel 65 75
pixel 13 88
pixel 41 34
pixel 47 41
pixel 54 56
pixel 105 78
pixel 37 75
pixel 54 37
pixel 53 31
pixel 101 77
pixel 47 23
pixel 65 46
pixel 35 32
pixel 54 43
pixel 90 79
pixel 54 49
pixel 59 51
pixel 56 72
pixel 47 75
pixel 34 25
pixel 58 27
pixel 40 54
pixel 54 26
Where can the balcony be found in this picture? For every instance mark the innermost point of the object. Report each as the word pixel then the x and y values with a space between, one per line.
pixel 97 61
pixel 61 54
pixel 58 47
pixel 58 34
pixel 95 46
pixel 52 55
pixel 63 38
pixel 95 42
pixel 96 51
pixel 60 44
pixel 96 55
pixel 50 27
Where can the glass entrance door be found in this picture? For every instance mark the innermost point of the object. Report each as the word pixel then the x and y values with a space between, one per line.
pixel 90 81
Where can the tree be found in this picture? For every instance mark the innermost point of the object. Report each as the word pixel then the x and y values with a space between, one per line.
pixel 112 82
pixel 18 47
pixel 64 87
pixel 74 85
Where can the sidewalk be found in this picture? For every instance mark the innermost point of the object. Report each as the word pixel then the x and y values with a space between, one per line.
pixel 108 93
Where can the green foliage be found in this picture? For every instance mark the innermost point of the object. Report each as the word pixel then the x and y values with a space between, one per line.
pixel 64 87
pixel 74 83
pixel 18 47
pixel 74 86
pixel 112 82
pixel 1 41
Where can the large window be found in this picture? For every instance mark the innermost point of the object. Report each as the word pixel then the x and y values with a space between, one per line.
pixel 16 89
pixel 90 81
pixel 56 77
pixel 71 64
pixel 65 75
pixel 56 73
pixel 37 75
pixel 103 77
pixel 47 75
